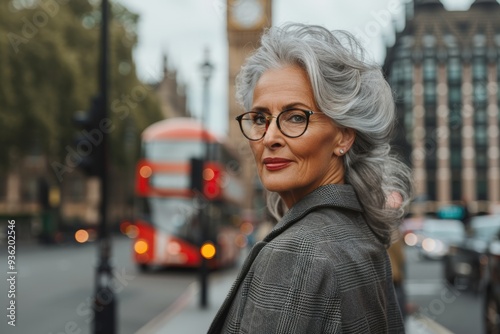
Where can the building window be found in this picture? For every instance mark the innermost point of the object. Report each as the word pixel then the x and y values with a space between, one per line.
pixel 450 40
pixel 481 158
pixel 429 40
pixel 431 184
pixel 430 93
pixel 408 95
pixel 479 41
pixel 454 69
pixel 429 69
pixel 456 186
pixel 395 74
pixel 454 94
pixel 430 119
pixel 409 126
pixel 481 184
pixel 480 93
pixel 407 70
pixel 480 117
pixel 479 68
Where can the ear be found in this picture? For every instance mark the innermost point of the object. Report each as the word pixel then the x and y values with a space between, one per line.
pixel 346 137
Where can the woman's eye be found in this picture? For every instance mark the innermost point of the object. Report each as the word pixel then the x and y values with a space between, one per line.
pixel 259 120
pixel 296 117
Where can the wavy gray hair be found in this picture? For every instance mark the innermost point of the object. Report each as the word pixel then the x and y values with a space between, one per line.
pixel 355 95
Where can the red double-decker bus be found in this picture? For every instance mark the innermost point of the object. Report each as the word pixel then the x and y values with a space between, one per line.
pixel 167 224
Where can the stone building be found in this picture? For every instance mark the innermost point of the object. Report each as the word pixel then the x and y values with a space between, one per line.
pixel 172 95
pixel 444 69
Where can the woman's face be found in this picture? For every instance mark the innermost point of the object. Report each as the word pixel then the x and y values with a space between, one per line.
pixel 293 167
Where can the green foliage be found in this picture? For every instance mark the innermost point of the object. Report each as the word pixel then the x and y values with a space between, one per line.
pixel 49 70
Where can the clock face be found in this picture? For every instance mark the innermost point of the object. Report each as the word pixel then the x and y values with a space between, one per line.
pixel 247 13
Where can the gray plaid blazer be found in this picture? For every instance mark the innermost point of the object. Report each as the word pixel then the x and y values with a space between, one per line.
pixel 321 270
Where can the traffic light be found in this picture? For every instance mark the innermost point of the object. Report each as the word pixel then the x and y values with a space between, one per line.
pixel 87 149
pixel 143 176
pixel 196 174
pixel 205 178
pixel 211 184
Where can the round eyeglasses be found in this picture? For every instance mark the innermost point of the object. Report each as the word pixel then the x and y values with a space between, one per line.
pixel 291 122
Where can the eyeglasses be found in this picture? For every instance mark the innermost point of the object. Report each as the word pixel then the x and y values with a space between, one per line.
pixel 291 122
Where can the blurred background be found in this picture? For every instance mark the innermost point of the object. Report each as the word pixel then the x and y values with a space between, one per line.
pixel 182 204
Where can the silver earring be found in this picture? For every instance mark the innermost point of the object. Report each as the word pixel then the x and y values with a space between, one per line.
pixel 341 151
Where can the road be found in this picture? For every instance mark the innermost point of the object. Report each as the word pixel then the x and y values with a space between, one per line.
pixel 458 311
pixel 54 285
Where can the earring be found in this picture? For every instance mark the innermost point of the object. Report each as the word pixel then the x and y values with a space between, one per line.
pixel 341 151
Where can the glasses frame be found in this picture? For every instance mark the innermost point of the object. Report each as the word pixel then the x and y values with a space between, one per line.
pixel 306 112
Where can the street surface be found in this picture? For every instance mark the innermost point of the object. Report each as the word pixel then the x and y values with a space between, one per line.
pixel 55 283
pixel 458 311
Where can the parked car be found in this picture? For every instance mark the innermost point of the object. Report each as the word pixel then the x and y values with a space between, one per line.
pixel 491 310
pixel 436 235
pixel 465 263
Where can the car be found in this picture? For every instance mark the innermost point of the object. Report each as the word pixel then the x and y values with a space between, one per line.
pixel 465 264
pixel 435 236
pixel 491 296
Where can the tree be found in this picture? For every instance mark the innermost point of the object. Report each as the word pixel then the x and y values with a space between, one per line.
pixel 49 70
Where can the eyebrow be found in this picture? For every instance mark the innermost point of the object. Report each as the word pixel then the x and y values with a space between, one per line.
pixel 285 107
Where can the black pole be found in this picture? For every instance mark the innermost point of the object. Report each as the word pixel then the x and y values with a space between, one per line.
pixel 104 300
pixel 206 68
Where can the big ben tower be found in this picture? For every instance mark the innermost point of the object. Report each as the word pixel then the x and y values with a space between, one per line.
pixel 246 21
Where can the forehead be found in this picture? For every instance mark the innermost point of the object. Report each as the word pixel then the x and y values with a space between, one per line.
pixel 284 85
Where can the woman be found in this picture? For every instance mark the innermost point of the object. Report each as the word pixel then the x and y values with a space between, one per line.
pixel 319 122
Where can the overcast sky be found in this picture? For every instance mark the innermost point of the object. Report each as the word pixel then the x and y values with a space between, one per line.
pixel 183 29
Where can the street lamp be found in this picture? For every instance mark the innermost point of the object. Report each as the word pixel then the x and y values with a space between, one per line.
pixel 104 300
pixel 206 71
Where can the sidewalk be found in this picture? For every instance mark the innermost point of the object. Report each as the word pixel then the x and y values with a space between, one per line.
pixel 186 317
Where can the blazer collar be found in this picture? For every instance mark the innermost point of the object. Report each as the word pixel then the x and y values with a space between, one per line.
pixel 331 195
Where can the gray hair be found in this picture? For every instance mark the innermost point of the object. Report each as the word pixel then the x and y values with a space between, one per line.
pixel 354 94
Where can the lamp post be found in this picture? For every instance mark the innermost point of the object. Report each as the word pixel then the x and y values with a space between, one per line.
pixel 104 299
pixel 206 71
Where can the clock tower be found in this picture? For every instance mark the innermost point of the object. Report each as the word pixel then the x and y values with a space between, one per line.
pixel 246 21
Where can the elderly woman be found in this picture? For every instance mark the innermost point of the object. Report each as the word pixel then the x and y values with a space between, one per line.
pixel 319 121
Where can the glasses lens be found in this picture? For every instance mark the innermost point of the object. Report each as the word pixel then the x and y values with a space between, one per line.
pixel 293 122
pixel 253 125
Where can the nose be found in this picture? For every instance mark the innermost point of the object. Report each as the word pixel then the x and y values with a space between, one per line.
pixel 273 137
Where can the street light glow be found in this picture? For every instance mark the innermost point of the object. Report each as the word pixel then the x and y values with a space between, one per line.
pixel 208 250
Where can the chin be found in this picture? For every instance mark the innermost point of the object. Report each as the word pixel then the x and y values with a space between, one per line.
pixel 274 185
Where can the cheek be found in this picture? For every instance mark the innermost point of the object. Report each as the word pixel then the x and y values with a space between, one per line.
pixel 315 151
pixel 256 149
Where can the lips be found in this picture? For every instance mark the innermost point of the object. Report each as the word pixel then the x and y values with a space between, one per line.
pixel 273 164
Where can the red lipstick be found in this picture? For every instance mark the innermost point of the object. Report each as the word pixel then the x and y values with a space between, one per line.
pixel 273 164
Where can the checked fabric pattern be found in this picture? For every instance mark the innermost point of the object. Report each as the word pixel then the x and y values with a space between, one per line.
pixel 321 270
